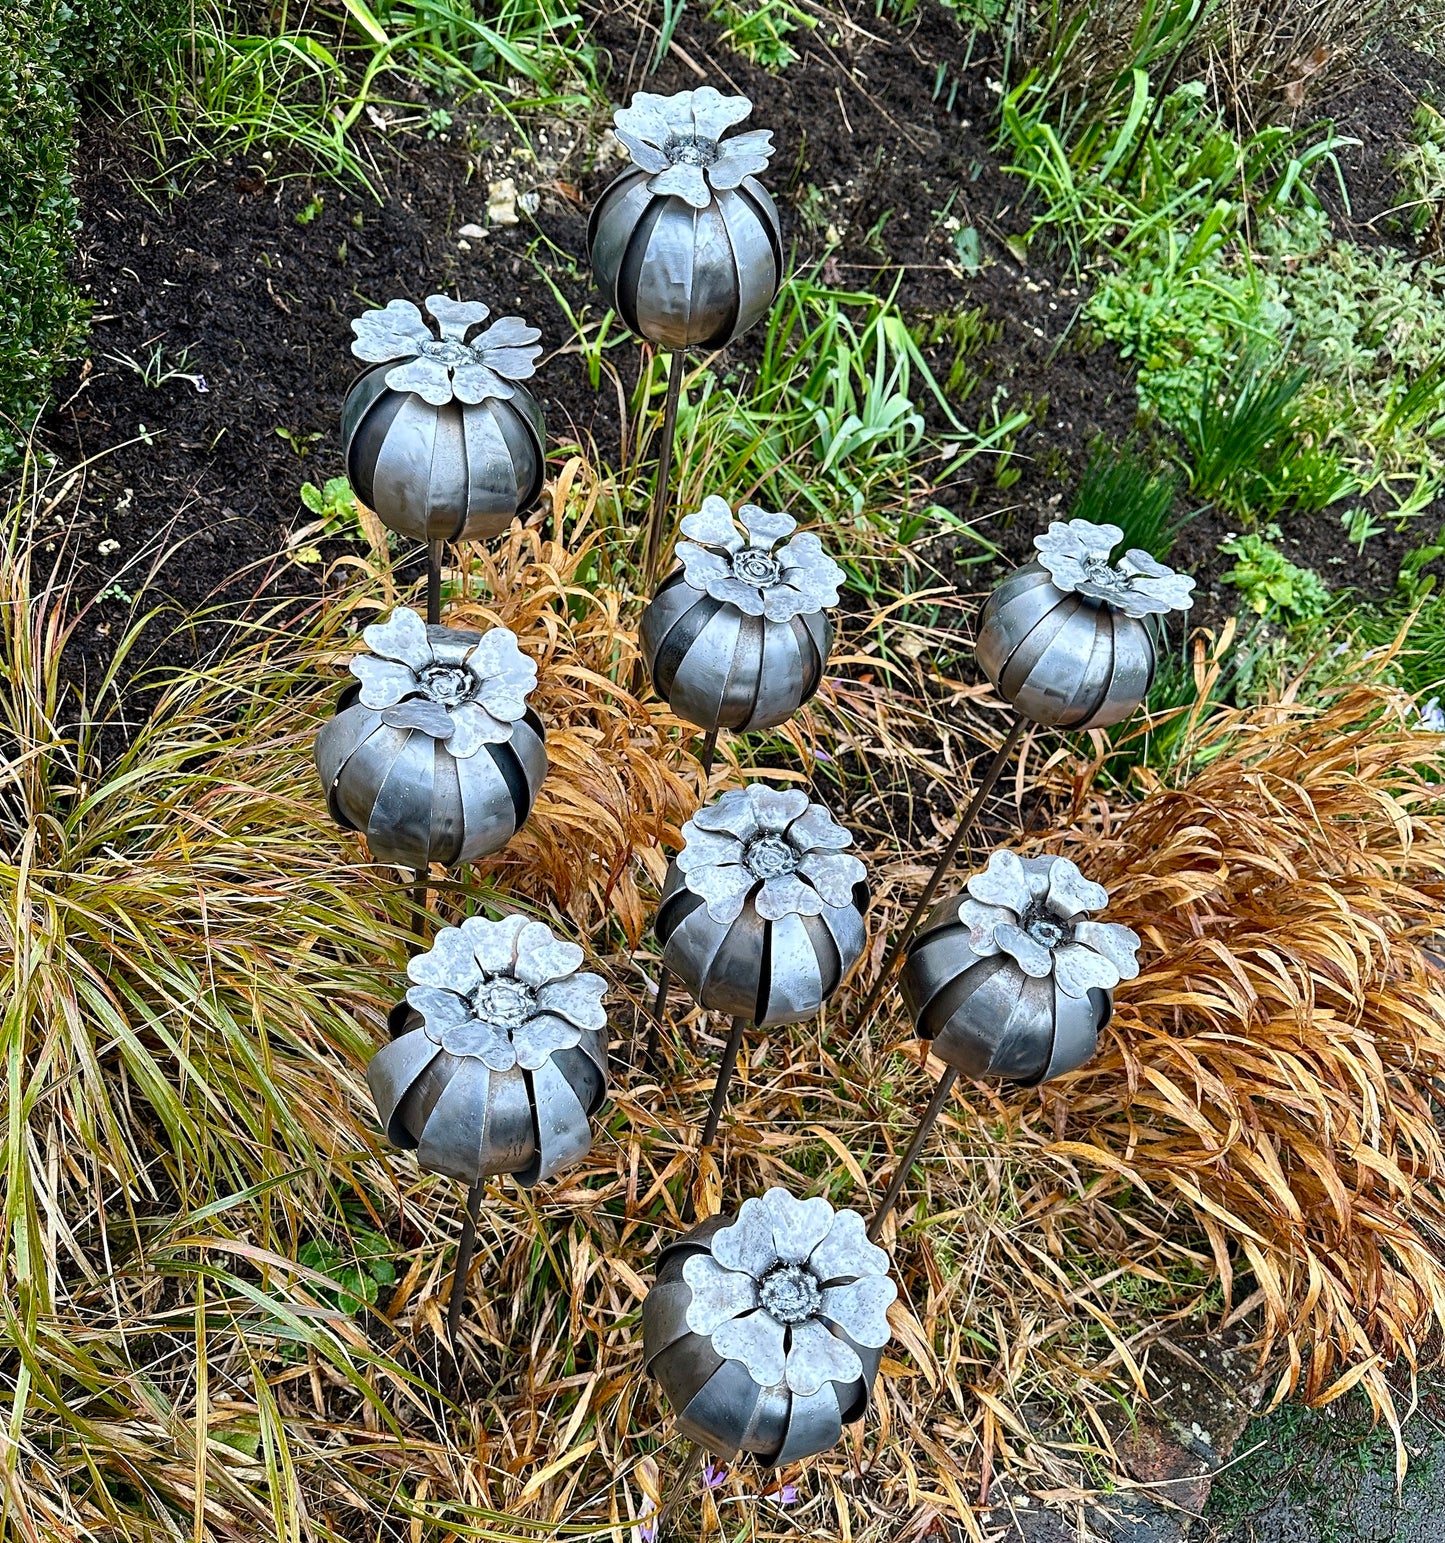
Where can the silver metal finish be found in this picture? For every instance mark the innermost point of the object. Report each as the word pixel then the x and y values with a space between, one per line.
pixel 500 1058
pixel 1070 639
pixel 761 914
pixel 765 1330
pixel 686 244
pixel 738 638
pixel 1010 978
pixel 435 757
pixel 441 438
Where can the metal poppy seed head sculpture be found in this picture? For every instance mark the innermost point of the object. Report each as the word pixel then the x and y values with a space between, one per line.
pixel 434 756
pixel 1070 639
pixel 1010 978
pixel 765 1329
pixel 738 637
pixel 441 438
pixel 761 915
pixel 500 1055
pixel 686 243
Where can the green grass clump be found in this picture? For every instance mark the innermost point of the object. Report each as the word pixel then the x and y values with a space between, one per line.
pixel 1119 487
pixel 759 29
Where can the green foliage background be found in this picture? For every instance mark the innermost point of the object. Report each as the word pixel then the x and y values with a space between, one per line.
pixel 50 53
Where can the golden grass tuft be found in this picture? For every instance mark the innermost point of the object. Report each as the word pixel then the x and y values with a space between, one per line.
pixel 1271 1080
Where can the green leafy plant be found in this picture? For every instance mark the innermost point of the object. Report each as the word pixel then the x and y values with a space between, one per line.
pixel 759 29
pixel 1421 169
pixel 1269 583
pixel 360 1270
pixel 334 504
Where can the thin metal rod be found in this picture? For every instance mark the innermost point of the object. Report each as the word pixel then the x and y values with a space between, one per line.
pixel 658 513
pixel 466 1247
pixel 944 863
pixel 709 752
pixel 719 1101
pixel 419 912
pixel 433 583
pixel 659 1014
pixel 906 1162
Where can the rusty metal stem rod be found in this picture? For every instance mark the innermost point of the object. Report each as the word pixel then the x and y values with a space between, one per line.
pixel 906 1162
pixel 466 1247
pixel 718 1101
pixel 661 488
pixel 434 583
pixel 944 863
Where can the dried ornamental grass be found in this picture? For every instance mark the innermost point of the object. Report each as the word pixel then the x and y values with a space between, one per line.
pixel 1271 1077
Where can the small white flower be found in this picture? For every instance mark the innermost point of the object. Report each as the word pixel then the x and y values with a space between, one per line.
pixel 781 1287
pixel 770 844
pixel 508 993
pixel 738 561
pixel 678 140
pixel 465 688
pixel 1432 716
pixel 1076 555
pixel 440 368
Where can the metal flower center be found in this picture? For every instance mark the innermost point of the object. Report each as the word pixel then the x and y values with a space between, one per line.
pixel 689 150
pixel 505 1002
pixel 1102 574
pixel 769 856
pixel 449 684
pixel 1045 928
pixel 754 566
pixel 448 351
pixel 790 1293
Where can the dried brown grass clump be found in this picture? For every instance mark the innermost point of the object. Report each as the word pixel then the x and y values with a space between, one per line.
pixel 1273 1073
pixel 617 791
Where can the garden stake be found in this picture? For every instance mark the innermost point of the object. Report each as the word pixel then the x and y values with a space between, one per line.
pixel 664 976
pixel 466 1246
pixel 941 867
pixel 766 1328
pixel 1069 641
pixel 665 456
pixel 433 583
pixel 1011 978
pixel 716 1104
pixel 906 1162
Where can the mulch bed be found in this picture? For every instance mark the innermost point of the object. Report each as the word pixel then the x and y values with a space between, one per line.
pixel 233 276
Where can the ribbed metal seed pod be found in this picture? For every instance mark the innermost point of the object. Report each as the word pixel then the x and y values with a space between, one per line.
pixel 766 1329
pixel 499 1059
pixel 761 915
pixel 739 636
pixel 686 244
pixel 434 756
pixel 1070 640
pixel 441 438
pixel 1010 978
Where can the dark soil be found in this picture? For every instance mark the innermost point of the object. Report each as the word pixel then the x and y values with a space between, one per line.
pixel 252 274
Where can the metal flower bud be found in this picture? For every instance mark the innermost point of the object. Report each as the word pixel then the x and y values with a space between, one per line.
pixel 686 244
pixel 1070 638
pixel 1010 978
pixel 500 1059
pixel 765 1330
pixel 761 914
pixel 739 636
pixel 435 756
pixel 441 439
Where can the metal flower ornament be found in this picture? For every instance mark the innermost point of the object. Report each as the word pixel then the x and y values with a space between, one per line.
pixel 765 1330
pixel 1013 978
pixel 686 245
pixel 1070 641
pixel 442 439
pixel 499 1060
pixel 738 637
pixel 434 755
pixel 761 915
